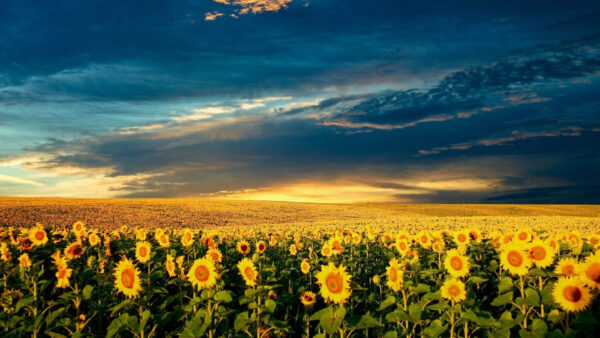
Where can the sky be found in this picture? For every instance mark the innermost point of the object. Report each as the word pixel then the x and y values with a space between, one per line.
pixel 302 100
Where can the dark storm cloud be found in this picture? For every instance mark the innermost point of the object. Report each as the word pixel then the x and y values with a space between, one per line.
pixel 415 96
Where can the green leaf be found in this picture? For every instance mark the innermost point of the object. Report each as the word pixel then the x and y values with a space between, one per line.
pixel 270 305
pixel 438 307
pixel 422 288
pixel 363 322
pixel 223 296
pixel 331 321
pixel 435 329
pixel 240 321
pixel 23 302
pixel 390 300
pixel 532 297
pixel 390 334
pixel 507 321
pixel 53 315
pixel 503 299
pixel 477 279
pixel 145 316
pixel 317 315
pixel 539 327
pixel 505 285
pixel 414 312
pixel 116 325
pixel 555 316
pixel 119 306
pixel 87 292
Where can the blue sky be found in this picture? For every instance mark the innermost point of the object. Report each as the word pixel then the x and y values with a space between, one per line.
pixel 300 100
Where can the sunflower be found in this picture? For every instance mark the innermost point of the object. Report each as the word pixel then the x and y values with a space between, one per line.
pixel 514 259
pixel 243 247
pixel 163 240
pixel 566 266
pixel 335 283
pixel 74 250
pixel 127 278
pixel 395 275
pixel 456 264
pixel 5 252
pixel 94 239
pixel 248 271
pixel 308 298
pixel 356 238
pixel 475 235
pixel 261 246
pixel 79 228
pixel 62 277
pixel 454 290
pixel 326 250
pixel 179 261
pixel 461 238
pixel 203 274
pixel 524 235
pixel 215 255
pixel 38 236
pixel 541 253
pixel 188 237
pixel 305 267
pixel 594 240
pixel 140 234
pixel 124 229
pixel 424 239
pixel 293 250
pixel 402 246
pixel 589 271
pixel 142 251
pixel 170 265
pixel 24 261
pixel 571 294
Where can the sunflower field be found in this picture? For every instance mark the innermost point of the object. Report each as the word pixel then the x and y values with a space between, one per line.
pixel 362 281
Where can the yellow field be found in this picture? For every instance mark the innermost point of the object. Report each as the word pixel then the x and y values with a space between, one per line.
pixel 195 268
pixel 110 214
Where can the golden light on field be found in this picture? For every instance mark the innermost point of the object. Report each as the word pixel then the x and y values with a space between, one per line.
pixel 337 192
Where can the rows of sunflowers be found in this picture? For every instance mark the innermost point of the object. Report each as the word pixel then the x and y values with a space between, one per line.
pixel 359 282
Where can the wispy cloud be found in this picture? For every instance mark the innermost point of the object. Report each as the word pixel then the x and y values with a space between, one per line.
pixel 19 180
pixel 244 7
pixel 515 136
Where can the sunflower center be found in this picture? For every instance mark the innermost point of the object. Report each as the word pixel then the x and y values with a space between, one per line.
pixel 538 253
pixel 515 258
pixel 568 270
pixel 456 263
pixel 128 278
pixel 523 236
pixel 143 251
pixel 261 247
pixel 202 273
pixel 244 247
pixel 393 274
pixel 214 256
pixel 474 235
pixel 593 272
pixel 453 290
pixel 572 294
pixel 424 239
pixel 462 238
pixel 402 246
pixel 334 282
pixel 39 235
pixel 62 273
pixel 249 273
